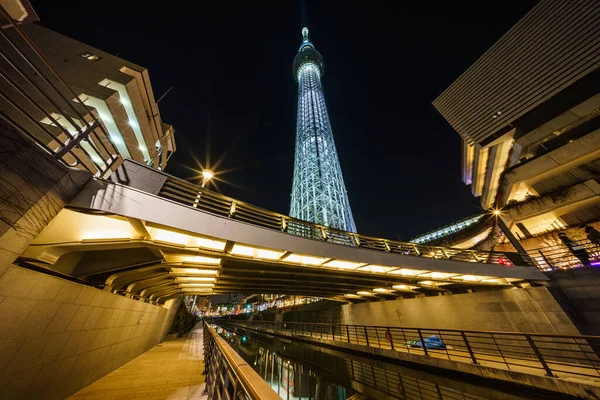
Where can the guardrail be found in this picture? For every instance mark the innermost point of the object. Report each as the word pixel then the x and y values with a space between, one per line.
pixel 228 376
pixel 196 196
pixel 580 253
pixel 541 354
pixel 40 105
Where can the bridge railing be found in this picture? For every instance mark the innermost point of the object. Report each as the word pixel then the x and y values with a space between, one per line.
pixel 37 102
pixel 195 196
pixel 560 256
pixel 228 376
pixel 545 354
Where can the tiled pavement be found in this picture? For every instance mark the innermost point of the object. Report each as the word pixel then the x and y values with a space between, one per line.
pixel 172 370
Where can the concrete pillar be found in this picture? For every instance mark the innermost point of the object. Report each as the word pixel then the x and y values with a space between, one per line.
pixel 34 187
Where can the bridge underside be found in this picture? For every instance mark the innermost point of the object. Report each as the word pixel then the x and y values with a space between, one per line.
pixel 147 247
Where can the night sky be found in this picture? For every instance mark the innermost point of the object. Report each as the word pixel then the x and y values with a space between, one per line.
pixel 234 96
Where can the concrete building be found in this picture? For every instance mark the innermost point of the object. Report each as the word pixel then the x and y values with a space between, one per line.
pixel 527 112
pixel 116 116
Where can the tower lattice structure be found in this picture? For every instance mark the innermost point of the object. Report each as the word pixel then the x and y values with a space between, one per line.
pixel 318 194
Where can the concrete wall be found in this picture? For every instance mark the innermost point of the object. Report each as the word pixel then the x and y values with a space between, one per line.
pixel 515 310
pixel 578 291
pixel 33 189
pixel 57 336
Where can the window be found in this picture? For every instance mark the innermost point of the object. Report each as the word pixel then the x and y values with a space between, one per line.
pixel 90 56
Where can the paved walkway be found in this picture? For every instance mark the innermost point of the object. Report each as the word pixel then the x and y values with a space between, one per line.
pixel 172 370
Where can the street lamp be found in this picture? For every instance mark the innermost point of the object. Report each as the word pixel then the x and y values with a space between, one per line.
pixel 207 175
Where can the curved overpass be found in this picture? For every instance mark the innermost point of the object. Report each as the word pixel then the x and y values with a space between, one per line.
pixel 151 236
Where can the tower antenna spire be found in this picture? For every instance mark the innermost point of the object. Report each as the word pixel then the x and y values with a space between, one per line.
pixel 305 34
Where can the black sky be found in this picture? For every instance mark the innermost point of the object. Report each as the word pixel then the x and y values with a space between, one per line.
pixel 230 64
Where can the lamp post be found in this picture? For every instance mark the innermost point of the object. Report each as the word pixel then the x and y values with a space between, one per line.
pixel 207 175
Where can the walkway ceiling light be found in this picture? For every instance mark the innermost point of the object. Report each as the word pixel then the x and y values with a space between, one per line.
pixel 208 285
pixel 382 290
pixel 342 264
pixel 404 287
pixel 433 284
pixel 408 272
pixel 472 278
pixel 193 271
pixel 202 290
pixel 352 296
pixel 162 235
pixel 363 293
pixel 193 259
pixel 304 260
pixel 376 268
pixel 188 279
pixel 437 275
pixel 254 252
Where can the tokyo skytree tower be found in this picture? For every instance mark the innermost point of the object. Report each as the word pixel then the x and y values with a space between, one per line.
pixel 318 193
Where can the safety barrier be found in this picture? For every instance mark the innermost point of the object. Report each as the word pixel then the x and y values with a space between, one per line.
pixel 534 353
pixel 228 376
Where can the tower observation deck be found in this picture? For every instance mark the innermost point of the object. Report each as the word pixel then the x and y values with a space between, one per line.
pixel 318 193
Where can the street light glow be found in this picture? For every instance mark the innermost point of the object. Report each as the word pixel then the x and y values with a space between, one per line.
pixel 207 174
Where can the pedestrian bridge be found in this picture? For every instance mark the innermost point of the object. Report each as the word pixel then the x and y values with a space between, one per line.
pixel 148 235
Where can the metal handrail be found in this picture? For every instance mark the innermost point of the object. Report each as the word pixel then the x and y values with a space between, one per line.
pixel 561 256
pixel 195 196
pixel 228 376
pixel 32 88
pixel 537 353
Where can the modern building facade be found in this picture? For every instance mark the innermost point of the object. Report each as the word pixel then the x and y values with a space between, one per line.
pixel 102 104
pixel 527 112
pixel 318 193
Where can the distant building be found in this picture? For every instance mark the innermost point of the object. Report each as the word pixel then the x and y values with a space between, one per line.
pixel 528 113
pixel 117 92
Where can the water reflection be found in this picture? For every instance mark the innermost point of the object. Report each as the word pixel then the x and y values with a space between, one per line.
pixel 303 372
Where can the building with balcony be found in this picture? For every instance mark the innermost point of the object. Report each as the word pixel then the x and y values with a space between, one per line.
pixel 89 107
pixel 528 114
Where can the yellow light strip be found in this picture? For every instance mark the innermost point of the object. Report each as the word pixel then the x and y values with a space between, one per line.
pixel 203 290
pixel 376 268
pixel 437 275
pixel 194 285
pixel 365 293
pixel 304 260
pixel 247 251
pixel 382 290
pixel 193 271
pixel 186 279
pixel 162 235
pixel 342 264
pixel 404 287
pixel 193 259
pixel 408 272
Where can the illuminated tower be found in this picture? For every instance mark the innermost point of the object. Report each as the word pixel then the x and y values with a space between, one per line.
pixel 318 193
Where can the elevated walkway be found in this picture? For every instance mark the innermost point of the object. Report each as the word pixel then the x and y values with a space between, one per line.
pixel 151 236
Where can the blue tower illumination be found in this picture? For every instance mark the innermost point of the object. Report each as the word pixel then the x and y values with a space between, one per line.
pixel 318 193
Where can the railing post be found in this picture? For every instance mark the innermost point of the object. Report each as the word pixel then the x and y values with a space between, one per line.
pixel 348 333
pixel 469 349
pixel 388 335
pixel 333 331
pixel 422 342
pixel 283 224
pixel 539 356
pixel 366 336
pixel 232 209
